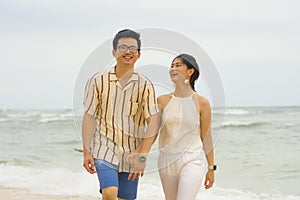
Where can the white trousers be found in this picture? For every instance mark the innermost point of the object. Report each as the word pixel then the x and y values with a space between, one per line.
pixel 181 174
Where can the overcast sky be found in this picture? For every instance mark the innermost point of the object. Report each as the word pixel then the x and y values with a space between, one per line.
pixel 253 43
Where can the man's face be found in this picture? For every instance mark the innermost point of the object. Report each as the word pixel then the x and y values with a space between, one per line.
pixel 127 51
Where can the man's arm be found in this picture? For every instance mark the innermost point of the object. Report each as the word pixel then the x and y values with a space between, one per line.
pixel 137 167
pixel 88 130
pixel 91 103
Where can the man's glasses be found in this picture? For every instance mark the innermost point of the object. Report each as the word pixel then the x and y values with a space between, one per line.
pixel 123 48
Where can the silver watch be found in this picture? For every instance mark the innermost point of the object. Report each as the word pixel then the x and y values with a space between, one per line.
pixel 142 158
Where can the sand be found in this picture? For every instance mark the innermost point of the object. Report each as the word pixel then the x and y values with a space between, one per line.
pixel 17 194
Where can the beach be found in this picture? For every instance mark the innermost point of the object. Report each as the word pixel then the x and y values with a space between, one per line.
pixel 256 152
pixel 13 194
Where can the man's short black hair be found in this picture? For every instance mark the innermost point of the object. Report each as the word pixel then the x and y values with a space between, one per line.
pixel 126 33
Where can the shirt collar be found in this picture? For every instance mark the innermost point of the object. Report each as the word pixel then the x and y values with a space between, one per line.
pixel 113 77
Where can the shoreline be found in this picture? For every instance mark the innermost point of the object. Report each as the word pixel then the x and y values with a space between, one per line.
pixel 18 194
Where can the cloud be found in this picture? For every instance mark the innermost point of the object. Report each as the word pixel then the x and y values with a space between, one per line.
pixel 217 16
pixel 44 43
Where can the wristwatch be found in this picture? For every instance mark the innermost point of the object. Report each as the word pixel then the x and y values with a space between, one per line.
pixel 142 158
pixel 212 167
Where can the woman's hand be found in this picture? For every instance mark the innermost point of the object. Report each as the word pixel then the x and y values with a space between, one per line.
pixel 209 179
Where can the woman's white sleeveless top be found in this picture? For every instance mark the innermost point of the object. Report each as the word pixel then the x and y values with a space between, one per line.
pixel 180 126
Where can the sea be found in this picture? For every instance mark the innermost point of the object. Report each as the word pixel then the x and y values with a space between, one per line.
pixel 257 152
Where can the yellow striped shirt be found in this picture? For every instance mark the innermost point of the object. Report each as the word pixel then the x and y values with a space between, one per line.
pixel 120 114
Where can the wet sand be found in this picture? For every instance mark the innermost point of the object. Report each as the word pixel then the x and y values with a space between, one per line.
pixel 18 194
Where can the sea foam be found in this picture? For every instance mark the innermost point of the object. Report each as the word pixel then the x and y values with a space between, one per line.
pixel 60 181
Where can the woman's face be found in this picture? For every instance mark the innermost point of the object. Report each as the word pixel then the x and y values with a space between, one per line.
pixel 179 70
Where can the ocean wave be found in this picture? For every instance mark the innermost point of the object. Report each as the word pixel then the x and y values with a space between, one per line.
pixel 48 181
pixel 53 119
pixel 17 162
pixel 240 124
pixel 288 124
pixel 71 142
pixel 67 115
pixel 47 115
pixel 237 112
pixel 61 181
pixel 22 114
pixel 3 162
pixel 4 119
pixel 244 111
pixel 42 116
pixel 218 193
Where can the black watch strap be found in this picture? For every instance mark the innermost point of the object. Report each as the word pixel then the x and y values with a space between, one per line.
pixel 212 167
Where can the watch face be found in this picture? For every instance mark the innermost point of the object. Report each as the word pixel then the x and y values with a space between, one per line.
pixel 142 158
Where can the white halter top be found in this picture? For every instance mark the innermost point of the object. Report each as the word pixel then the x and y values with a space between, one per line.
pixel 180 126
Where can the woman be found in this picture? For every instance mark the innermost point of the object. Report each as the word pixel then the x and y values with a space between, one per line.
pixel 185 138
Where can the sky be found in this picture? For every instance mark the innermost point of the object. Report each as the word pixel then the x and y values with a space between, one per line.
pixel 254 45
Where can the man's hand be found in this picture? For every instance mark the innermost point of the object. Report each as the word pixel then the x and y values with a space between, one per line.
pixel 88 162
pixel 88 131
pixel 137 167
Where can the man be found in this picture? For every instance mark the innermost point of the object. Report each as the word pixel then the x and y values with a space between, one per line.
pixel 118 104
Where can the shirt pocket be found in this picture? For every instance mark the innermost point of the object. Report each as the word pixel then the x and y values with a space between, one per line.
pixel 132 108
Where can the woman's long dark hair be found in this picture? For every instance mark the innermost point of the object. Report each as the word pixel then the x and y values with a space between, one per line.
pixel 191 63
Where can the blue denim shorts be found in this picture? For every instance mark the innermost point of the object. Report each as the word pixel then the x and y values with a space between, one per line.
pixel 108 175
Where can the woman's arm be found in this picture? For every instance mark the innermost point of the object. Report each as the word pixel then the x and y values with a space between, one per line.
pixel 206 137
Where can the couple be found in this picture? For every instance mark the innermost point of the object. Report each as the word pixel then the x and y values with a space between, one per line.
pixel 119 102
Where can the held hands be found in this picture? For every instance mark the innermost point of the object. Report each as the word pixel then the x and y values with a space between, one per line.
pixel 137 164
pixel 209 179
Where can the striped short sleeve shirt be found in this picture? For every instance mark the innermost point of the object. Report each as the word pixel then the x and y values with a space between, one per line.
pixel 120 114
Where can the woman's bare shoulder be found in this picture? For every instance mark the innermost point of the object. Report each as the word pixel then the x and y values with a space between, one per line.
pixel 203 102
